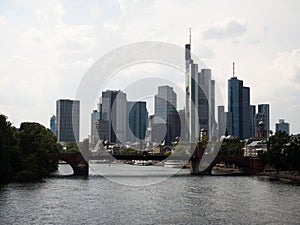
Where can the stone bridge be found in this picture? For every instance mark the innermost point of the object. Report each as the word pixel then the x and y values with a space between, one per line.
pixel 247 165
pixel 75 160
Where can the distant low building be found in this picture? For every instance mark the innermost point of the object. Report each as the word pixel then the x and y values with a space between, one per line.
pixel 255 147
pixel 282 126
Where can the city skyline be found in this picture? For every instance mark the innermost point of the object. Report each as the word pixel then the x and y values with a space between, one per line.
pixel 46 49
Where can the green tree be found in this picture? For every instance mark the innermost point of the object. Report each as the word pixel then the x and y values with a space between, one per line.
pixel 277 149
pixel 8 145
pixel 128 151
pixel 293 154
pixel 72 147
pixel 232 147
pixel 36 142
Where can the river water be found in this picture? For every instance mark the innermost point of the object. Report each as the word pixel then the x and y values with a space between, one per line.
pixel 122 194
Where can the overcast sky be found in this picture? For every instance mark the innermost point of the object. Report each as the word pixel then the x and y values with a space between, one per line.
pixel 47 47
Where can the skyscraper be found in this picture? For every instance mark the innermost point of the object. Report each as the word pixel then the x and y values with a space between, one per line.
pixel 265 110
pixel 166 115
pixel 199 98
pixel 67 126
pixel 246 113
pixel 239 106
pixel 252 120
pixel 95 116
pixel 221 121
pixel 114 110
pixel 53 124
pixel 235 105
pixel 165 101
pixel 137 119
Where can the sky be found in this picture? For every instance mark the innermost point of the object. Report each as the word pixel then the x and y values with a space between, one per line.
pixel 48 46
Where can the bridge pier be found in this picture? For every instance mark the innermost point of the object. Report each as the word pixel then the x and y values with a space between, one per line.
pixel 197 153
pixel 78 163
pixel 81 169
pixel 194 168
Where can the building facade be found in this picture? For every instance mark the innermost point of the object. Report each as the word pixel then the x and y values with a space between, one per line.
pixel 114 110
pixel 137 121
pixel 252 121
pixel 95 116
pixel 53 124
pixel 200 98
pixel 67 115
pixel 164 102
pixel 239 106
pixel 264 109
pixel 282 126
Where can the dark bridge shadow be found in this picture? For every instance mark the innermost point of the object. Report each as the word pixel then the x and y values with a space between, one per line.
pixel 75 160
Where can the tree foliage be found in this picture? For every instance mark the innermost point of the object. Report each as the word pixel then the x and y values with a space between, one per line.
pixel 72 147
pixel 232 147
pixel 128 151
pixel 24 152
pixel 276 149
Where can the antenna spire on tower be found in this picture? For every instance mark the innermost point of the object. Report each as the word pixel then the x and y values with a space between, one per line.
pixel 190 37
pixel 233 69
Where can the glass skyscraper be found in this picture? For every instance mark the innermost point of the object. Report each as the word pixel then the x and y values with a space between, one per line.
pixel 239 106
pixel 114 110
pixel 67 120
pixel 200 98
pixel 137 119
pixel 165 101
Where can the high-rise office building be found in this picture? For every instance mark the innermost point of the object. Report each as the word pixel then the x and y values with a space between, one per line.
pixel 265 110
pixel 224 122
pixel 103 129
pixel 282 126
pixel 166 116
pixel 221 121
pixel 235 105
pixel 199 98
pixel 173 127
pixel 246 113
pixel 114 110
pixel 239 106
pixel 95 116
pixel 53 124
pixel 164 102
pixel 252 120
pixel 137 121
pixel 183 125
pixel 229 122
pixel 67 115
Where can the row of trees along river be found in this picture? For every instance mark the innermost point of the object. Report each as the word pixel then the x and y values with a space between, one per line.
pixel 24 151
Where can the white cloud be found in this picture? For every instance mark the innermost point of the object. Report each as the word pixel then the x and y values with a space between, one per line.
pixel 110 26
pixel 3 21
pixel 288 63
pixel 229 28
pixel 33 34
pixel 46 48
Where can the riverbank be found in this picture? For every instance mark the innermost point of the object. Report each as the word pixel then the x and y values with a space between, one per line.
pixel 291 176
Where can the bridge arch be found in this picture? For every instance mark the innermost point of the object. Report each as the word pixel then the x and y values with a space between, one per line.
pixel 247 165
pixel 75 160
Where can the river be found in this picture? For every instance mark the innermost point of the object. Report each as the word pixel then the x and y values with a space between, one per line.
pixel 122 194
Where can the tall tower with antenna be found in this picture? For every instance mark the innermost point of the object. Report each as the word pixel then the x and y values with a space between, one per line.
pixel 198 87
pixel 233 73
